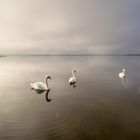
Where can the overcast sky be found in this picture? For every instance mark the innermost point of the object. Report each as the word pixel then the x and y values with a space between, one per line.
pixel 69 26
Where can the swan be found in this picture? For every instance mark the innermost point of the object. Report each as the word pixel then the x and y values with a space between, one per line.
pixel 72 79
pixel 122 74
pixel 40 86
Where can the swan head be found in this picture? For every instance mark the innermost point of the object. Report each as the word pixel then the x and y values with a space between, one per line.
pixel 123 70
pixel 48 77
pixel 74 71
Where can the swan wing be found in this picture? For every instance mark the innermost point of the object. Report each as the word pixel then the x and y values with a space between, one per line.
pixel 121 75
pixel 72 80
pixel 39 86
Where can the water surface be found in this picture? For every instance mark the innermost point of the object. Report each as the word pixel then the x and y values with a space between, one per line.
pixel 99 108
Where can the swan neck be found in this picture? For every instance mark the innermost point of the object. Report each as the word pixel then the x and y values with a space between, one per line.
pixel 73 74
pixel 47 82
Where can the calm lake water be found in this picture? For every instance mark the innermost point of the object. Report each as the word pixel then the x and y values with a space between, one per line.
pixel 99 108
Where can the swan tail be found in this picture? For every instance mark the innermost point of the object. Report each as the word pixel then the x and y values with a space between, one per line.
pixel 32 86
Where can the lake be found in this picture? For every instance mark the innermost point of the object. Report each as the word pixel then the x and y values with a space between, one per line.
pixel 100 107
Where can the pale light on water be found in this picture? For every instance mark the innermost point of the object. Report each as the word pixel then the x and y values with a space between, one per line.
pixel 100 107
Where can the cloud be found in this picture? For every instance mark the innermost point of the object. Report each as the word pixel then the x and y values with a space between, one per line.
pixel 64 26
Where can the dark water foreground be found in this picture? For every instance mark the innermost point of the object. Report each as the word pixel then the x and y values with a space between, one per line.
pixel 99 108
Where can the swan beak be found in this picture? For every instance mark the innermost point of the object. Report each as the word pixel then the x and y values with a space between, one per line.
pixel 50 78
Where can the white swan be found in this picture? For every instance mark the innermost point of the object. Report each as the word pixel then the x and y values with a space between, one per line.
pixel 40 85
pixel 122 74
pixel 72 79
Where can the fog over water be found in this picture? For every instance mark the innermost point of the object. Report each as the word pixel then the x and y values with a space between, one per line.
pixel 69 26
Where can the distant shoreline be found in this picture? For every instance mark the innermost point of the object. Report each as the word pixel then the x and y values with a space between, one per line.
pixel 71 55
pixel 133 54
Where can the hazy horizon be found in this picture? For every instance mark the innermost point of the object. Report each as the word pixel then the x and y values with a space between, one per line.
pixel 125 54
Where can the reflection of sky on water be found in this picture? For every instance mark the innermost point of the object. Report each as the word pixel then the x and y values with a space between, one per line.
pixel 99 98
pixel 101 69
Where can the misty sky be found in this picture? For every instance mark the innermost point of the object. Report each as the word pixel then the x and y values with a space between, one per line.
pixel 69 26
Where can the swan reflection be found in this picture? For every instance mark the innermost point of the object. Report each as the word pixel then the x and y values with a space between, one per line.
pixel 74 85
pixel 47 96
pixel 38 91
pixel 123 81
pixel 42 91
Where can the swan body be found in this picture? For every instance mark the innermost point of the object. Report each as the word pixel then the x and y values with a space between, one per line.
pixel 40 85
pixel 122 74
pixel 72 79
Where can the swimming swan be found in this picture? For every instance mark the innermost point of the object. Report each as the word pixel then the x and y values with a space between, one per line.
pixel 122 74
pixel 40 85
pixel 72 79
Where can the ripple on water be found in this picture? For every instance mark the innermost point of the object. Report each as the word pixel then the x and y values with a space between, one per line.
pixel 67 120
